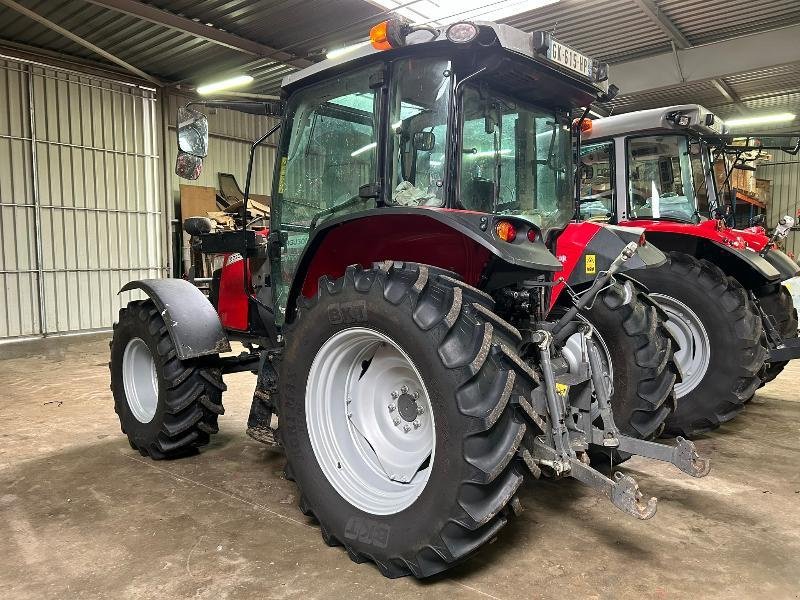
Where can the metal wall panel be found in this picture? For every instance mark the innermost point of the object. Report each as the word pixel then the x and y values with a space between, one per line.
pixel 83 171
pixel 785 196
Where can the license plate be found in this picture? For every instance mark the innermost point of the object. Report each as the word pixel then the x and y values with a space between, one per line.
pixel 567 57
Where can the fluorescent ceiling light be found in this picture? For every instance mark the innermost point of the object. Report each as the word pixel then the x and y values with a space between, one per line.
pixel 336 53
pixel 225 84
pixel 441 12
pixel 777 118
pixel 363 149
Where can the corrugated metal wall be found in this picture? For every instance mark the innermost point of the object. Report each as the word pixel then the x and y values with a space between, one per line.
pixel 785 195
pixel 81 195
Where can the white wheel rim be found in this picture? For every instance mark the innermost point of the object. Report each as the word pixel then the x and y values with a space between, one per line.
pixel 694 348
pixel 370 421
pixel 140 380
pixel 575 353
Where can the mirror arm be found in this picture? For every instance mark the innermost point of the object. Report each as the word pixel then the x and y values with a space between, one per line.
pixel 246 197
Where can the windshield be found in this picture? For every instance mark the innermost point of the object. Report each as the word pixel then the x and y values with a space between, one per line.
pixel 516 159
pixel 661 178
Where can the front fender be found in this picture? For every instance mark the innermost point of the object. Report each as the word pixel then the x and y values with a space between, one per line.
pixel 191 321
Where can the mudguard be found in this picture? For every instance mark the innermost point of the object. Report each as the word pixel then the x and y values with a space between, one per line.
pixel 461 241
pixel 191 321
pixel 747 266
pixel 585 249
pixel 783 264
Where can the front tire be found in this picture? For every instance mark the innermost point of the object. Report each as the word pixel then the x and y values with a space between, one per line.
pixel 720 355
pixel 167 407
pixel 363 337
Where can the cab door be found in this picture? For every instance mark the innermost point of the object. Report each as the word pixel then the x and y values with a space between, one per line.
pixel 328 150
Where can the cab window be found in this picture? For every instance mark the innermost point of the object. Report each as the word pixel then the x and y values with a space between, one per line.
pixel 327 153
pixel 420 105
pixel 597 181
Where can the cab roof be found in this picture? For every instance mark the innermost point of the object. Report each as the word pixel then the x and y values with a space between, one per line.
pixel 657 120
pixel 511 41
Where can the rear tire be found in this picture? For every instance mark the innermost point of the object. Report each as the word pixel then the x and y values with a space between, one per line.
pixel 642 361
pixel 780 307
pixel 722 354
pixel 471 378
pixel 167 407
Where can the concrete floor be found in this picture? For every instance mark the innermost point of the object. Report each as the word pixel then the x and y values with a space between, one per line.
pixel 84 516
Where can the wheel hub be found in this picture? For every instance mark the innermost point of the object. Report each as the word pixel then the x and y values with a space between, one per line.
pixel 407 407
pixel 694 348
pixel 140 380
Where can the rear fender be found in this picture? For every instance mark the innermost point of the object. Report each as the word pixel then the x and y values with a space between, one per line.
pixel 587 248
pixel 459 241
pixel 191 321
pixel 747 266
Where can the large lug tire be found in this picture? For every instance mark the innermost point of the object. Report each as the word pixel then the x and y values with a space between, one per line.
pixel 167 407
pixel 719 334
pixel 779 306
pixel 444 338
pixel 632 336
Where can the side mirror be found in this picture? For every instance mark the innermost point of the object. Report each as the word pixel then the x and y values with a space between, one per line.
pixel 192 143
pixel 424 141
pixel 188 166
pixel 192 132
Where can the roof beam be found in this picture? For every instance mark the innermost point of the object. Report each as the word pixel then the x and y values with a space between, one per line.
pixel 729 94
pixel 201 30
pixel 79 40
pixel 682 43
pixel 665 23
pixel 710 61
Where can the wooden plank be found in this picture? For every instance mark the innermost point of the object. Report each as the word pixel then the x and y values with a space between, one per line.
pixel 197 201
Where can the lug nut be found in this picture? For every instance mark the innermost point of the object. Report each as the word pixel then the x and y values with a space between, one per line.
pixel 416 425
pixel 396 421
pixel 404 389
pixel 392 408
pixel 395 395
pixel 416 395
pixel 420 410
pixel 406 428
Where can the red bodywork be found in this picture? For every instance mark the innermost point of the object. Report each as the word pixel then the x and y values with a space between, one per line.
pixel 413 238
pixel 570 247
pixel 233 305
pixel 716 231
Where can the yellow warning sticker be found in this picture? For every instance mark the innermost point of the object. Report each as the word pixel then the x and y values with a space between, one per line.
pixel 562 389
pixel 282 176
pixel 591 264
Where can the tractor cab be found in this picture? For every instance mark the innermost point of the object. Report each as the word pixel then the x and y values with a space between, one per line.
pixel 658 166
pixel 474 119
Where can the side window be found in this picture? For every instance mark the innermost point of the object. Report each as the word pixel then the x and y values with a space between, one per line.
pixel 420 103
pixel 327 153
pixel 597 180
pixel 660 183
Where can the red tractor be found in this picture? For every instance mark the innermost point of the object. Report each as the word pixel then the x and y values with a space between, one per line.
pixel 397 311
pixel 722 287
